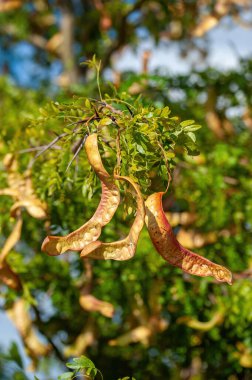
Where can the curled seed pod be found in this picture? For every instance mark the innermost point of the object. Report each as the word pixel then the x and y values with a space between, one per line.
pixel 122 249
pixel 217 319
pixel 91 230
pixel 171 250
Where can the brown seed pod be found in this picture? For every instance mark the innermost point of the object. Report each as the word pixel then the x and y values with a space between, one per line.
pixel 21 189
pixel 8 277
pixel 122 249
pixel 90 303
pixel 91 230
pixel 21 318
pixel 171 250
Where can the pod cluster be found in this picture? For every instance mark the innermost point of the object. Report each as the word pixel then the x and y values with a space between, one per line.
pixel 85 239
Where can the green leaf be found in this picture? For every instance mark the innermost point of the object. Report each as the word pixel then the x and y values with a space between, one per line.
pixel 192 136
pixel 186 123
pixel 191 128
pixel 140 149
pixel 87 104
pixel 82 363
pixel 170 154
pixel 15 354
pixel 105 121
pixel 165 112
pixel 67 130
pixel 66 376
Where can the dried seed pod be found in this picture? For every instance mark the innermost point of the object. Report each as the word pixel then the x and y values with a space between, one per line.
pixel 217 319
pixel 182 218
pixel 21 189
pixel 122 249
pixel 33 206
pixel 138 334
pixel 91 230
pixel 12 239
pixel 85 339
pixel 8 277
pixel 90 303
pixel 193 239
pixel 171 250
pixel 22 320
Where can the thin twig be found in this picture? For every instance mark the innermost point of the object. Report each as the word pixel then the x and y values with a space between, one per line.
pixel 46 148
pixel 35 148
pixel 77 152
pixel 167 166
pixel 118 153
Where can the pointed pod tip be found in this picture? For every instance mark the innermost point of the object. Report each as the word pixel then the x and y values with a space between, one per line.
pixel 230 282
pixel 49 246
pixel 89 249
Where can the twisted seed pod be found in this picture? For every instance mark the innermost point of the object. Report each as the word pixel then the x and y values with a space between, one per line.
pixel 91 230
pixel 171 250
pixel 122 249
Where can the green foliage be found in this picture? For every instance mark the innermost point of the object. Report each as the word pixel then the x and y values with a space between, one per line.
pixel 11 364
pixel 215 186
pixel 83 366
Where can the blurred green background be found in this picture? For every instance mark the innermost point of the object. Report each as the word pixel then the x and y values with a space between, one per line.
pixel 196 58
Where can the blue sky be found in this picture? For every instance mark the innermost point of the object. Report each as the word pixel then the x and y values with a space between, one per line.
pixel 227 42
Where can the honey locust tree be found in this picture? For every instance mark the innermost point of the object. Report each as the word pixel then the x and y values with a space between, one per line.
pixel 181 321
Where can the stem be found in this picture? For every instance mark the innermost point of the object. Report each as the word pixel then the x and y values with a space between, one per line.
pixel 76 153
pixel 120 101
pixel 98 67
pixel 167 166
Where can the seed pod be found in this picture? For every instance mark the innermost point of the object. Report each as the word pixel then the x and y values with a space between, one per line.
pixel 90 303
pixel 171 250
pixel 216 319
pixel 85 339
pixel 21 318
pixel 91 230
pixel 8 277
pixel 21 189
pixel 33 206
pixel 122 249
pixel 12 240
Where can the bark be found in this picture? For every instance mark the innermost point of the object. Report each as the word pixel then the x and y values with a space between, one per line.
pixel 67 48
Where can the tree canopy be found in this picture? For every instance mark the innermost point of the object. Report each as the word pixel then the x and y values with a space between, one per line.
pixel 140 317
